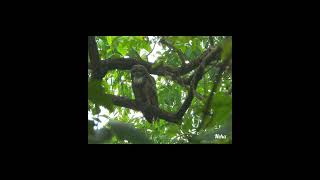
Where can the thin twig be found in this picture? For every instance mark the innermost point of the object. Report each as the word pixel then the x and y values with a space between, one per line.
pixel 152 49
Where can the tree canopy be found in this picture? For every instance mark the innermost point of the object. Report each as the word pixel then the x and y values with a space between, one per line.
pixel 193 77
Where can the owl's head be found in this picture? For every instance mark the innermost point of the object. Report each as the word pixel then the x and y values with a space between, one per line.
pixel 138 71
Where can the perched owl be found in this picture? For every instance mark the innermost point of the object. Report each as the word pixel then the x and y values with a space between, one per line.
pixel 144 89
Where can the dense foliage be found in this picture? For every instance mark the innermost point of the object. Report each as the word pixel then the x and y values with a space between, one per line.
pixel 112 116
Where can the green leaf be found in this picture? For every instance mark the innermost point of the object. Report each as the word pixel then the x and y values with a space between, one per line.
pixel 227 126
pixel 205 137
pixel 227 49
pixel 89 105
pixel 97 96
pixel 187 125
pixel 122 50
pixel 115 42
pixel 157 64
pixel 90 127
pixel 126 131
pixel 133 53
pixel 144 57
pixel 196 51
pixel 172 130
pixel 217 135
pixel 115 56
pixel 146 46
pixel 109 40
pixel 94 89
pixel 188 52
pixel 222 107
pixel 96 110
pixel 100 44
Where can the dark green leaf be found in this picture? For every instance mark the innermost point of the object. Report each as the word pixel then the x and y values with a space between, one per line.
pixel 90 127
pixel 126 131
pixel 97 96
pixel 222 107
pixel 188 52
pixel 187 125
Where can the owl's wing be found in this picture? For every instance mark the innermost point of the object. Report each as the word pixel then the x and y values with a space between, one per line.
pixel 153 93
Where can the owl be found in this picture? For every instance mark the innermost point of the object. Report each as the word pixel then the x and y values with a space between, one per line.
pixel 145 91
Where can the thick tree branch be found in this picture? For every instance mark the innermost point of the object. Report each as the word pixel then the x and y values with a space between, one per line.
pixel 94 58
pixel 131 104
pixel 124 102
pixel 194 83
pixel 161 70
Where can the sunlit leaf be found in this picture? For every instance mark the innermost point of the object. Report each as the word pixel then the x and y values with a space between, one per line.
pixel 109 40
pixel 122 50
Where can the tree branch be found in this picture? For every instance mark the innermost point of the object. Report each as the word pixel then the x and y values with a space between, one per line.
pixel 94 58
pixel 217 80
pixel 124 102
pixel 194 83
pixel 152 49
pixel 131 104
pixel 197 76
pixel 161 70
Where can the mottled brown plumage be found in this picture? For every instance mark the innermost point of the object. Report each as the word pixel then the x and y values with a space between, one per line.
pixel 145 92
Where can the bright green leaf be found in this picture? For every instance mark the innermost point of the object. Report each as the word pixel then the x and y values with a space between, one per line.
pixel 109 40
